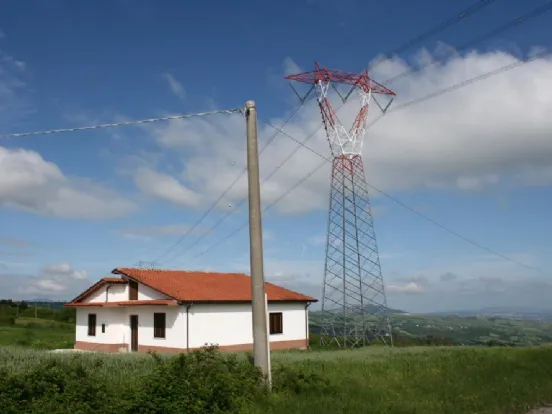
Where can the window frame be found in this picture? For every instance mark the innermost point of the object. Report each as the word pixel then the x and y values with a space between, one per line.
pixel 276 323
pixel 92 317
pixel 159 331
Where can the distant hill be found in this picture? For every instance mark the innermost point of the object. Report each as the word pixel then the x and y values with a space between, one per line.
pixel 374 309
pixel 387 311
pixel 522 313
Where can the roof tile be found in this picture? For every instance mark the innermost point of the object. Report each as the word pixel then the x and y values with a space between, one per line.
pixel 194 286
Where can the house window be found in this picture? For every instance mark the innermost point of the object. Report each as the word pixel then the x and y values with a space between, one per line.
pixel 103 327
pixel 159 325
pixel 276 322
pixel 132 290
pixel 91 324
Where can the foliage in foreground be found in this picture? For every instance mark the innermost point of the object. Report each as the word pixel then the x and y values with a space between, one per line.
pixel 414 381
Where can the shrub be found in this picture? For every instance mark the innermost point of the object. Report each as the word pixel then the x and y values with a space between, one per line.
pixel 7 320
pixel 289 379
pixel 203 381
pixel 53 386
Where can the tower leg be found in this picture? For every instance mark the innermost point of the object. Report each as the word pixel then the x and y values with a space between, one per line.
pixel 354 303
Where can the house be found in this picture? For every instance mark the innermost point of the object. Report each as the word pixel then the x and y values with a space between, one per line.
pixel 175 311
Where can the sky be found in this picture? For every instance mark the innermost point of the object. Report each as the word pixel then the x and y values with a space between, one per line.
pixel 477 160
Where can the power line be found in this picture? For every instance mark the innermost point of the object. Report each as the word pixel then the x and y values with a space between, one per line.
pixel 467 82
pixel 125 123
pixel 444 25
pixel 427 218
pixel 266 208
pixel 456 18
pixel 224 193
pixel 492 33
pixel 480 5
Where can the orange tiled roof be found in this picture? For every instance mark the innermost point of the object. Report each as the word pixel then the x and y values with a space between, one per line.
pixel 189 286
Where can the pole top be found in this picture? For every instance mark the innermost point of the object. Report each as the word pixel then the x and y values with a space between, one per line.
pixel 250 104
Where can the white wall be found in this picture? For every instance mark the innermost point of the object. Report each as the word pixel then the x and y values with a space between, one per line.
pixel 231 324
pixel 117 324
pixel 114 325
pixel 221 324
pixel 175 323
pixel 117 293
pixel 147 293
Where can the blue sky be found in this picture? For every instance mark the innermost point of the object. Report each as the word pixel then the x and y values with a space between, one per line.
pixel 74 206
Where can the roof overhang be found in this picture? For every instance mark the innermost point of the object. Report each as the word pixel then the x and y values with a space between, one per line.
pixel 157 302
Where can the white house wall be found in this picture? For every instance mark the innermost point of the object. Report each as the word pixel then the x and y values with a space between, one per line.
pixel 114 325
pixel 175 323
pixel 117 293
pixel 117 326
pixel 220 324
pixel 147 293
pixel 231 324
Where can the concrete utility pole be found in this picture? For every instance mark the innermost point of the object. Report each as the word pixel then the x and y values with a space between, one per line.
pixel 261 350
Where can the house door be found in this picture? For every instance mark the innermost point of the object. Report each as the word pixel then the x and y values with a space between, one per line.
pixel 133 333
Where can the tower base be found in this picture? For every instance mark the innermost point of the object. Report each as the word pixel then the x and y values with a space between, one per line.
pixel 354 304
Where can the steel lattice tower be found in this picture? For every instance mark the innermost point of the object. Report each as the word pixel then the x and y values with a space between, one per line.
pixel 354 300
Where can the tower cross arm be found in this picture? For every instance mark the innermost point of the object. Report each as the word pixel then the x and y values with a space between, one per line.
pixel 324 75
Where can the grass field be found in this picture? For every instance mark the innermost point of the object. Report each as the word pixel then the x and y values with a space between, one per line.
pixel 37 333
pixel 370 380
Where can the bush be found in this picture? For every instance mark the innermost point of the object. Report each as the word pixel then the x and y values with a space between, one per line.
pixel 53 386
pixel 288 379
pixel 7 320
pixel 203 381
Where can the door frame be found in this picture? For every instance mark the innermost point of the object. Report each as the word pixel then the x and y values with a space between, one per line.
pixel 133 333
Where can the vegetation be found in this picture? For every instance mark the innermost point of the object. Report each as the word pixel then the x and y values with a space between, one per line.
pixel 378 380
pixel 404 380
pixel 34 327
pixel 410 330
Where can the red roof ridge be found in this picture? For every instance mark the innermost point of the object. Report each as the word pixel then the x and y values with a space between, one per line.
pixel 210 272
pixel 186 286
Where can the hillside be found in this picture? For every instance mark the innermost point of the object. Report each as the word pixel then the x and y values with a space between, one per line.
pixel 460 330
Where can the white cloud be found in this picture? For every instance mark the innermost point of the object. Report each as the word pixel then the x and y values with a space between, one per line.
pixel 493 133
pixel 175 85
pixel 63 270
pixel 410 287
pixel 56 281
pixel 30 183
pixel 165 187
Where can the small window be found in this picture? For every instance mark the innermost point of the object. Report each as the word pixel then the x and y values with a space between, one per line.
pixel 91 324
pixel 103 327
pixel 276 322
pixel 132 290
pixel 159 325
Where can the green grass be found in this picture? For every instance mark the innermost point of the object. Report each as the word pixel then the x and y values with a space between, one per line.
pixel 454 380
pixel 425 380
pixel 39 335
